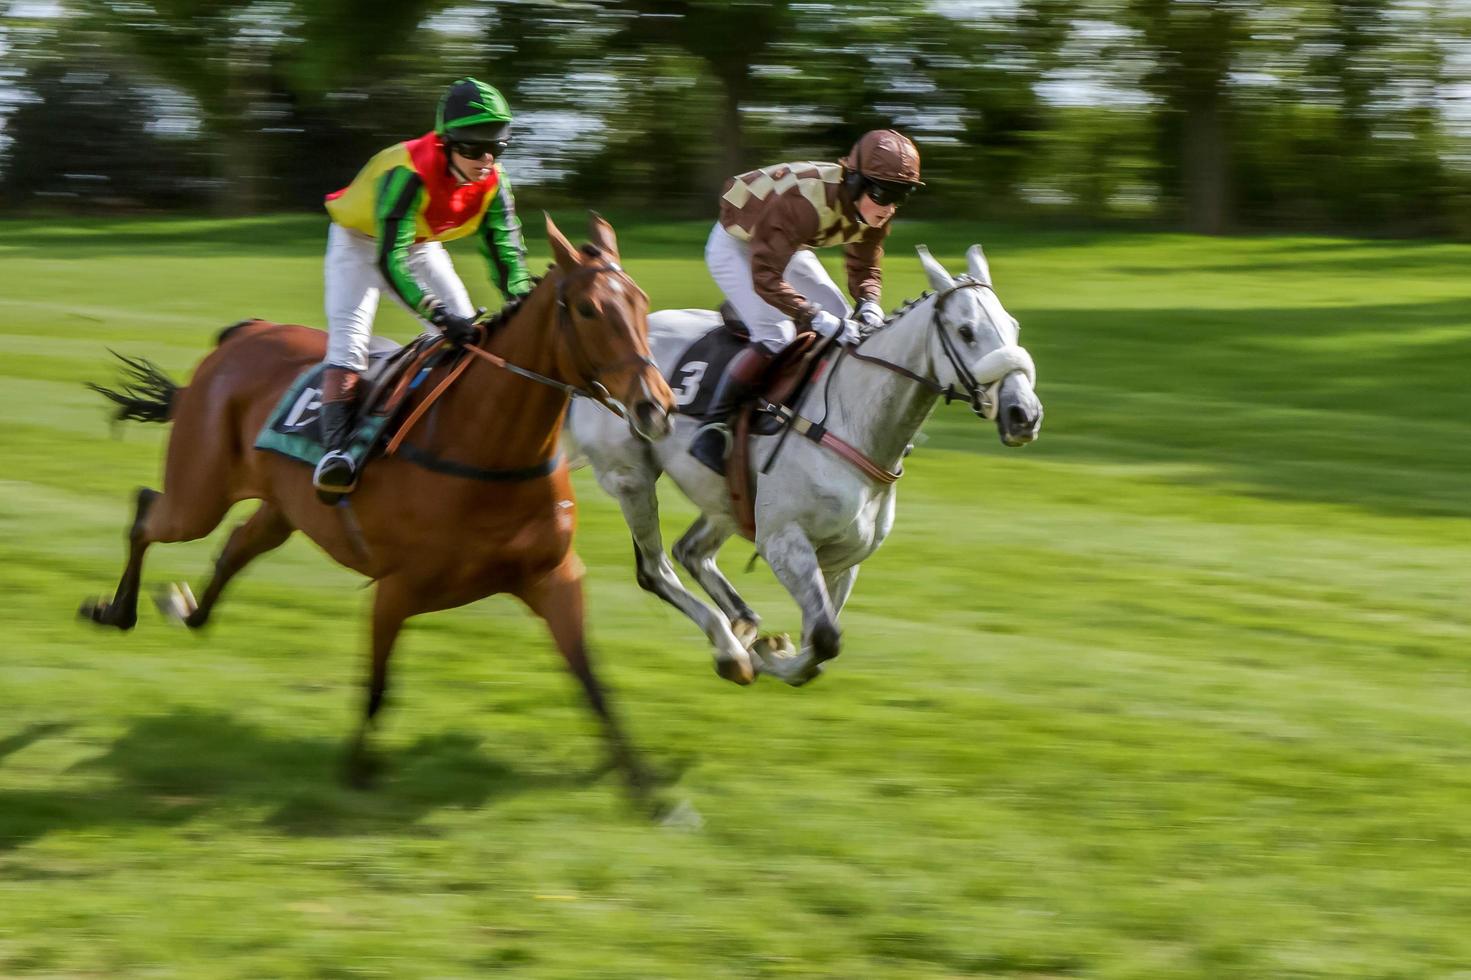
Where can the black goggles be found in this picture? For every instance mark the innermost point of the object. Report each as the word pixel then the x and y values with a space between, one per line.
pixel 475 149
pixel 885 193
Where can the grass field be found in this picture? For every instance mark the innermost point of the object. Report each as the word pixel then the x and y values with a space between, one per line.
pixel 1182 690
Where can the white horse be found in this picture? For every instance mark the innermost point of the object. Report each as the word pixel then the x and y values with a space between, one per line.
pixel 818 513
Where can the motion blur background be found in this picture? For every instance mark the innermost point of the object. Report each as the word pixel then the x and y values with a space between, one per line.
pixel 1178 691
pixel 1213 115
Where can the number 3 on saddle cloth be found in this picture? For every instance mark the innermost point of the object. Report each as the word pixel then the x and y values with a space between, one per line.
pixel 697 373
pixel 293 428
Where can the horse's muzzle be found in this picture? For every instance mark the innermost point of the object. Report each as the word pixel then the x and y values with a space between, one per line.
pixel 1019 416
pixel 1016 427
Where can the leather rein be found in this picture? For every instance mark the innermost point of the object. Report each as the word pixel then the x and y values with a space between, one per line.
pixel 591 388
pixel 976 394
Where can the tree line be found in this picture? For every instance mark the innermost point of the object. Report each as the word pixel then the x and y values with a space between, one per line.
pixel 1211 115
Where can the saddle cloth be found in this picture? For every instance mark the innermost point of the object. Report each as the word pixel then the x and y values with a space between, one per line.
pixel 293 428
pixel 703 363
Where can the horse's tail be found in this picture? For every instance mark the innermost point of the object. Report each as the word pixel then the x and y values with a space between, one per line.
pixel 146 394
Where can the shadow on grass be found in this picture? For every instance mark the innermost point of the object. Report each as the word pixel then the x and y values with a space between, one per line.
pixel 167 770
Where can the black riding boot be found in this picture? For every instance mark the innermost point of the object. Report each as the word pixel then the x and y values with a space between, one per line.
pixel 712 443
pixel 335 473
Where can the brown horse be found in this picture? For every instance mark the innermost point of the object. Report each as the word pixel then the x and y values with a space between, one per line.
pixel 484 504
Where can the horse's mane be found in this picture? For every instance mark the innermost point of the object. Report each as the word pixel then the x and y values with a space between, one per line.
pixel 909 304
pixel 511 307
pixel 904 308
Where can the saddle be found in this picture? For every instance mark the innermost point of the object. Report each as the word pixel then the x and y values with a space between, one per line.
pixel 293 428
pixel 786 379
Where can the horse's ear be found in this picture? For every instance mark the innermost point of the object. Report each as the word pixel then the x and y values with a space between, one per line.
pixel 939 278
pixel 600 233
pixel 980 270
pixel 562 251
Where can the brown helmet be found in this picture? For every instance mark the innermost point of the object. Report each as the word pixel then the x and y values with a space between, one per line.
pixel 886 155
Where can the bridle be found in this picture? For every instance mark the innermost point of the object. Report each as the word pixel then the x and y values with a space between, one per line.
pixel 979 394
pixel 591 386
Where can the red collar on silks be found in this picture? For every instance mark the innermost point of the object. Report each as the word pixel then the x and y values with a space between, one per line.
pixel 448 203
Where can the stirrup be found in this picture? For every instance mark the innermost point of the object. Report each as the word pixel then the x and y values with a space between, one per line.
pixel 334 476
pixel 703 446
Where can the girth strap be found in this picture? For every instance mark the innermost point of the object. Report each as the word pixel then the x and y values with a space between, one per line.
pixel 429 461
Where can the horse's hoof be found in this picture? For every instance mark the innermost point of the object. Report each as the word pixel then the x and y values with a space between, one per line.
pixel 176 602
pixel 740 672
pixel 92 609
pixel 745 631
pixel 100 611
pixel 826 641
pixel 772 646
pixel 808 676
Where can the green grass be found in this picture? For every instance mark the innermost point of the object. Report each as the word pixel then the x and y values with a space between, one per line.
pixel 1179 691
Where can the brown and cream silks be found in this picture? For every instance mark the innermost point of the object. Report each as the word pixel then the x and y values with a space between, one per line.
pixel 791 206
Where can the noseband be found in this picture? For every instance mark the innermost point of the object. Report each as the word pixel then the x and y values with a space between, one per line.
pixel 977 393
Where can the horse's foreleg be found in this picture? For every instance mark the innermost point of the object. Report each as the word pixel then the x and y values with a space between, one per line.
pixel 390 609
pixel 840 587
pixel 696 551
pixel 557 599
pixel 640 504
pixel 263 531
pixel 122 611
pixel 794 560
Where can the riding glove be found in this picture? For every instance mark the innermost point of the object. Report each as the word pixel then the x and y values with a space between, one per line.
pixel 845 331
pixel 458 330
pixel 870 314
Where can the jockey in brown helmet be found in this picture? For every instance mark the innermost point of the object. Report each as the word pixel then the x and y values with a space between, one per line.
pixel 760 255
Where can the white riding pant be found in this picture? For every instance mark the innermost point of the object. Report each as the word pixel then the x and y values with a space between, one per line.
pixel 729 260
pixel 354 284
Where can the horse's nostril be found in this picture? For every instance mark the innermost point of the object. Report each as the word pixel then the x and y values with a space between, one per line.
pixel 1016 416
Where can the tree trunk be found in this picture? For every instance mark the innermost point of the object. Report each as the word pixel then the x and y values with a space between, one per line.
pixel 241 166
pixel 1207 190
pixel 730 136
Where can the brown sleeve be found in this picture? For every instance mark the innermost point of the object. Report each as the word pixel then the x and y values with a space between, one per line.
pixel 863 258
pixel 785 223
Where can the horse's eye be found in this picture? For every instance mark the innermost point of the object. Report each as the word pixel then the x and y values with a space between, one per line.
pixel 967 334
pixel 587 309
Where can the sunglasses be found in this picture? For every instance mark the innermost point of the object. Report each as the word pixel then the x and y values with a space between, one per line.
pixel 886 194
pixel 478 149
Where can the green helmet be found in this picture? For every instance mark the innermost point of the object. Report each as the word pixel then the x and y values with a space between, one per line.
pixel 473 110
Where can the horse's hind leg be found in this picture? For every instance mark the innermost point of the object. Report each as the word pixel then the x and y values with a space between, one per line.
pixel 265 530
pixel 696 551
pixel 640 503
pixel 122 611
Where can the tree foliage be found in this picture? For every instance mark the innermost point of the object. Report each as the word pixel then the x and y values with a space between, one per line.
pixel 1211 114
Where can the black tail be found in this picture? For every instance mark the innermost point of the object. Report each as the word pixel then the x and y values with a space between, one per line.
pixel 147 394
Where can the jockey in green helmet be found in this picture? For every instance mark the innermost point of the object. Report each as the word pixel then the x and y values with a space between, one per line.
pixel 388 230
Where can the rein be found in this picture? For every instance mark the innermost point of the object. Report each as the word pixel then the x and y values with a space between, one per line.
pixel 976 393
pixel 592 388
